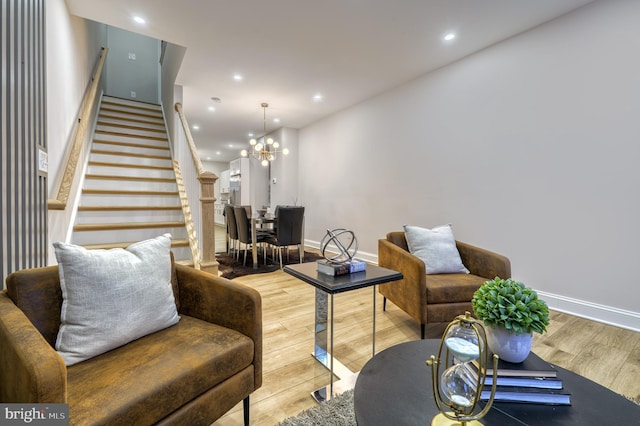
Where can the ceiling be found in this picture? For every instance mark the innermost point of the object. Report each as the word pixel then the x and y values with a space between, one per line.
pixel 288 51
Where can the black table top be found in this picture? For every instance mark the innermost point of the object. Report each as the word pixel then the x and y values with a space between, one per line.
pixel 394 388
pixel 373 275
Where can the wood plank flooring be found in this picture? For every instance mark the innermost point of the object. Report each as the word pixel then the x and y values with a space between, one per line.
pixel 605 354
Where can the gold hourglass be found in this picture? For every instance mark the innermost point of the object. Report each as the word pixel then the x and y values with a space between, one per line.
pixel 457 388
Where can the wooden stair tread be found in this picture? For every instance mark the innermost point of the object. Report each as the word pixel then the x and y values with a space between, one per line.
pixel 127 225
pixel 136 114
pixel 134 104
pixel 129 178
pixel 131 135
pixel 129 154
pixel 127 192
pixel 130 119
pixel 129 165
pixel 130 127
pixel 126 208
pixel 108 246
pixel 132 144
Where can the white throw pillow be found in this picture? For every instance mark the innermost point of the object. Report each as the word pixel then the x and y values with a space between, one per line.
pixel 111 297
pixel 436 248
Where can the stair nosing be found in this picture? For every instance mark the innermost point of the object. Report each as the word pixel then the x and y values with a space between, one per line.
pixel 127 225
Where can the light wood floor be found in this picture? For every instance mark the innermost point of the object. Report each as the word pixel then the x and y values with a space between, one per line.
pixel 605 354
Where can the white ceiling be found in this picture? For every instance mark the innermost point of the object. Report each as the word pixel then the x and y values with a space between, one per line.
pixel 290 50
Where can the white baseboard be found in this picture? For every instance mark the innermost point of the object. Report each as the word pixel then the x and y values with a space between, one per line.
pixel 369 257
pixel 593 311
pixel 580 308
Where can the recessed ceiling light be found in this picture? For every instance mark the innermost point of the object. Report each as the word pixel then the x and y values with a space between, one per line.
pixel 231 145
pixel 208 158
pixel 276 120
pixel 218 153
pixel 317 97
pixel 237 77
pixel 250 135
pixel 139 19
pixel 195 127
pixel 449 36
pixel 212 109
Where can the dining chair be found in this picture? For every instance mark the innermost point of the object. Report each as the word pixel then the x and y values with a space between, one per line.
pixel 232 231
pixel 288 230
pixel 244 232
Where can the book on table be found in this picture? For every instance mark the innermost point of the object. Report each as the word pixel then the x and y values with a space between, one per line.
pixel 330 268
pixel 528 395
pixel 530 367
pixel 519 381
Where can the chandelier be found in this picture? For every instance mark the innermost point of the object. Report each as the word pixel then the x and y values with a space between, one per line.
pixel 267 150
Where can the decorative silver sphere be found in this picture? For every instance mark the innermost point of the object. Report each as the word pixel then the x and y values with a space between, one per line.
pixel 345 241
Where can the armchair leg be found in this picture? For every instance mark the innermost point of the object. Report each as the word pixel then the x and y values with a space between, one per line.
pixel 384 303
pixel 422 330
pixel 245 405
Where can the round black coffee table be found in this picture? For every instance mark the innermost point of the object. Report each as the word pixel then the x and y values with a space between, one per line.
pixel 394 388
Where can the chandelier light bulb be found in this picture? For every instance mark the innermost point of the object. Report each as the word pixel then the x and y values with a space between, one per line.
pixel 263 149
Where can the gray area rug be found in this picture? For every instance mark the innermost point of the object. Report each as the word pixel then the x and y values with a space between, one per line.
pixel 335 412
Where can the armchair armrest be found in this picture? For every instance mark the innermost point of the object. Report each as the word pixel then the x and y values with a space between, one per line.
pixel 32 370
pixel 484 263
pixel 220 301
pixel 409 293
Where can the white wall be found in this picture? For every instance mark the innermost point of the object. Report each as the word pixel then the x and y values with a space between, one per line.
pixel 216 167
pixel 285 169
pixel 125 75
pixel 529 148
pixel 73 48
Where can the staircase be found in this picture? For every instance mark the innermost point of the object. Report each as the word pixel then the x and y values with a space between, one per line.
pixel 130 191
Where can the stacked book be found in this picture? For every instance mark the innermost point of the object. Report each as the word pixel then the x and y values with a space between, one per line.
pixel 531 381
pixel 330 268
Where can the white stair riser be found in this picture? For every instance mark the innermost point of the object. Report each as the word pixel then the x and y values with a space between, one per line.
pixel 128 235
pixel 100 129
pixel 131 172
pixel 133 109
pixel 123 216
pixel 141 146
pixel 125 159
pixel 115 125
pixel 128 185
pixel 121 101
pixel 132 119
pixel 128 200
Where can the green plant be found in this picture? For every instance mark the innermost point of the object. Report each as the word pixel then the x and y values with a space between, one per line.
pixel 510 304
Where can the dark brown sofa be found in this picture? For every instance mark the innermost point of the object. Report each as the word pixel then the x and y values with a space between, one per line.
pixel 439 297
pixel 189 374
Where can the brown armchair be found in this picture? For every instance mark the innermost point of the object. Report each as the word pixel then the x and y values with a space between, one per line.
pixel 439 297
pixel 190 373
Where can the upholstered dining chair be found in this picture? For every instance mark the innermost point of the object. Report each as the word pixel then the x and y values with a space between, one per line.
pixel 232 231
pixel 288 226
pixel 244 232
